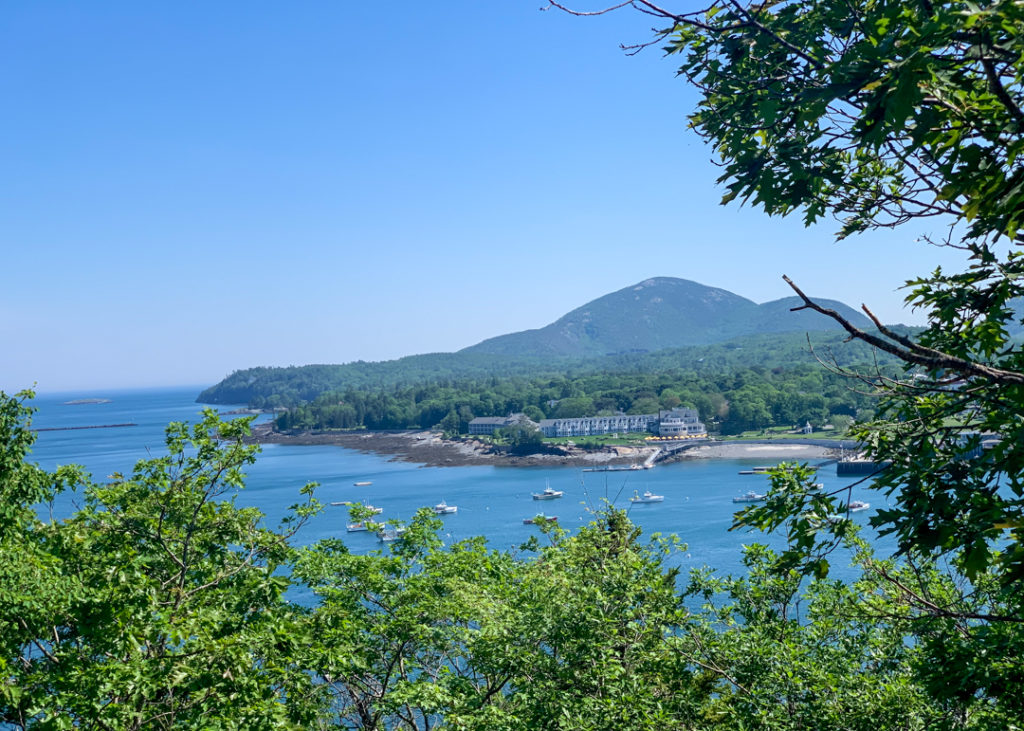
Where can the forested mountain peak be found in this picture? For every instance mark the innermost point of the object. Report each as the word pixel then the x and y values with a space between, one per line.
pixel 661 322
pixel 658 313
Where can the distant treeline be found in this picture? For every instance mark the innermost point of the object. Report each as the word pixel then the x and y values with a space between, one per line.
pixel 297 385
pixel 730 401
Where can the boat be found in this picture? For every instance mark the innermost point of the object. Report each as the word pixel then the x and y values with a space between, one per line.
pixel 354 527
pixel 443 508
pixel 856 506
pixel 549 493
pixel 374 510
pixel 390 534
pixel 340 502
pixel 364 483
pixel 647 497
pixel 540 519
pixel 750 497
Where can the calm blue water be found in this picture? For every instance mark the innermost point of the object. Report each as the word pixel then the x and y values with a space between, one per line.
pixel 492 501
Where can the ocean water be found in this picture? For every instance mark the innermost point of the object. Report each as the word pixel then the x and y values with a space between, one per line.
pixel 492 501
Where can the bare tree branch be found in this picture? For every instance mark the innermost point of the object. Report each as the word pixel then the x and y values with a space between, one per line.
pixel 909 351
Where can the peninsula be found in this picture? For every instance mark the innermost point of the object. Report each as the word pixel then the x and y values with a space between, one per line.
pixel 431 449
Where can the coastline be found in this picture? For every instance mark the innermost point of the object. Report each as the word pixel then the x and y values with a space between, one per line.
pixel 431 450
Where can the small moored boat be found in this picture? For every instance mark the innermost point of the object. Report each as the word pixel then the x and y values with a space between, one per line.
pixel 442 508
pixel 540 519
pixel 856 506
pixel 354 527
pixel 390 534
pixel 549 493
pixel 750 497
pixel 364 483
pixel 647 497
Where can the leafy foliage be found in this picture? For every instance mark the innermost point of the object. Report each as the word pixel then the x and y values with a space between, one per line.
pixel 156 605
pixel 877 113
pixel 880 113
pixel 161 604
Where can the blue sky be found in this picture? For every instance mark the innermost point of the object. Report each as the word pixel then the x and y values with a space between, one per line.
pixel 195 188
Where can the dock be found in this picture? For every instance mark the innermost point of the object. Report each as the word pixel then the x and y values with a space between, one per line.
pixel 859 467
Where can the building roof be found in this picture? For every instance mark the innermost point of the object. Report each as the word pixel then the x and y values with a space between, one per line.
pixel 499 420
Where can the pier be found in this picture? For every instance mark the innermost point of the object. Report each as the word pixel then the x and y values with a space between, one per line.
pixel 859 467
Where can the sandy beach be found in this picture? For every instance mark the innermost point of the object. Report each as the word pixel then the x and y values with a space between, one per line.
pixel 431 450
pixel 768 452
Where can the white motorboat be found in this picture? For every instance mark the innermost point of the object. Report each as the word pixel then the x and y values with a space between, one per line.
pixel 750 497
pixel 549 493
pixel 442 508
pixel 390 534
pixel 647 497
pixel 856 506
pixel 363 483
pixel 354 527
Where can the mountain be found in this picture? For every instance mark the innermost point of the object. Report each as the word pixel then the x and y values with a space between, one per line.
pixel 657 324
pixel 660 313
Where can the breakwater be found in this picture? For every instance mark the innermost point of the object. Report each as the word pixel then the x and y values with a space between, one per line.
pixel 90 426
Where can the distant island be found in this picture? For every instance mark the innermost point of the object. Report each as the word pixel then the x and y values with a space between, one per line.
pixel 83 401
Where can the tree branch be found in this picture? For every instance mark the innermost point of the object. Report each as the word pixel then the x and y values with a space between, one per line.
pixel 907 350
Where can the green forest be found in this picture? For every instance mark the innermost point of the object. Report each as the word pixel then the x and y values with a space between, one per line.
pixel 728 401
pixel 283 387
pixel 752 383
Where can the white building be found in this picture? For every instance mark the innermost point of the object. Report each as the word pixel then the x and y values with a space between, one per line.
pixel 491 424
pixel 681 423
pixel 587 426
pixel 674 423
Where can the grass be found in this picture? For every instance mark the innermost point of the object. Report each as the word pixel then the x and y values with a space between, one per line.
pixel 785 432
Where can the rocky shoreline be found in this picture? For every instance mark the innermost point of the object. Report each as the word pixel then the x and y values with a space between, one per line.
pixel 431 450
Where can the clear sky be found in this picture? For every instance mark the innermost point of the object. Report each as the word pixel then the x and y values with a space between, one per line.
pixel 190 189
